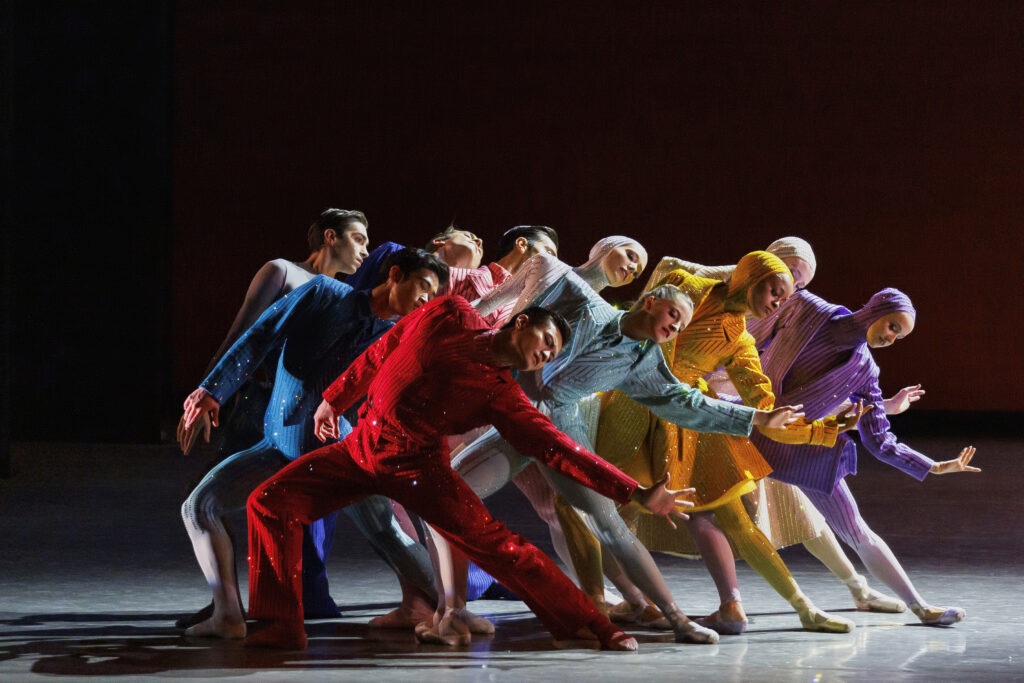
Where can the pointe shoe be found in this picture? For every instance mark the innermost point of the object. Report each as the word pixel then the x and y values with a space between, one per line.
pixel 217 628
pixel 280 635
pixel 688 631
pixel 813 619
pixel 939 616
pixel 870 600
pixel 728 620
pixel 647 616
pixel 867 599
pixel 194 618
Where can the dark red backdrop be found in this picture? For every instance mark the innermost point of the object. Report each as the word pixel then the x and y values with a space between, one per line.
pixel 887 134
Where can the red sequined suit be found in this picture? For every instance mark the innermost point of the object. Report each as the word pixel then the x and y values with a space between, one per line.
pixel 425 378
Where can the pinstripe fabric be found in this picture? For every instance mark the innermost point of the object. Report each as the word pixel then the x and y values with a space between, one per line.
pixel 808 355
pixel 473 283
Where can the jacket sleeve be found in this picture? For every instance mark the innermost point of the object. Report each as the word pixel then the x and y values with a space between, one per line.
pixel 652 384
pixel 524 286
pixel 534 435
pixel 353 384
pixel 876 436
pixel 755 389
pixel 294 310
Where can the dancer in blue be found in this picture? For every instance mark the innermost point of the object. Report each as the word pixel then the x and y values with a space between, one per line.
pixel 320 328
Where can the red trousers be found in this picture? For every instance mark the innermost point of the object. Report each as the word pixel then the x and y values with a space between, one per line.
pixel 363 464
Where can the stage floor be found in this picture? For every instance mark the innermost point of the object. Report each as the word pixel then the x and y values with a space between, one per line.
pixel 96 567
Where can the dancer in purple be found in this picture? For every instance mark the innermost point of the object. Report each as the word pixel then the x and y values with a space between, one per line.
pixel 817 354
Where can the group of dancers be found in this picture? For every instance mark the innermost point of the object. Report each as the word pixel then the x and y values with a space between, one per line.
pixel 403 385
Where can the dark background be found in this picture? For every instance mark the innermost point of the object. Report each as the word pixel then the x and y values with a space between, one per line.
pixel 156 154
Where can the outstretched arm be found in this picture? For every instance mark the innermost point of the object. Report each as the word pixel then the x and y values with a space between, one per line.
pixel 878 439
pixel 523 287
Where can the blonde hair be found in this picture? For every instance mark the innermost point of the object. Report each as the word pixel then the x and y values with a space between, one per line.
pixel 672 292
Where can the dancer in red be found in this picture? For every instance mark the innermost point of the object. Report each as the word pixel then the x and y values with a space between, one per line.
pixel 439 371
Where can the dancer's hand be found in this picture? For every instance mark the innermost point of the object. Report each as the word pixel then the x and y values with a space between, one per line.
pixel 902 399
pixel 849 418
pixel 198 403
pixel 664 502
pixel 778 418
pixel 187 435
pixel 957 464
pixel 325 422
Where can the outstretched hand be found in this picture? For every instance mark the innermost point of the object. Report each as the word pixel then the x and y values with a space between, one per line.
pixel 778 418
pixel 957 464
pixel 849 418
pixel 664 502
pixel 902 399
pixel 325 422
pixel 200 402
pixel 187 435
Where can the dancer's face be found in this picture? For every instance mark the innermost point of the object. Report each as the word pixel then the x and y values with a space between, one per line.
pixel 622 265
pixel 462 250
pixel 768 294
pixel 889 329
pixel 542 244
pixel 349 248
pixel 665 318
pixel 801 269
pixel 412 291
pixel 534 345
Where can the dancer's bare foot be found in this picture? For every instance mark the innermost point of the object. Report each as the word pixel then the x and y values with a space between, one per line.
pixel 607 634
pixel 407 615
pixel 455 627
pixel 218 627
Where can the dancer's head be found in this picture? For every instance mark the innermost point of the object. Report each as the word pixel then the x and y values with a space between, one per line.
pixel 533 337
pixel 523 241
pixel 798 256
pixel 890 316
pixel 621 259
pixel 760 283
pixel 660 314
pixel 413 278
pixel 457 247
pixel 343 234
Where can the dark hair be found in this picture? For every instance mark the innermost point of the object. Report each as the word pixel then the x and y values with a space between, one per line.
pixel 332 219
pixel 532 233
pixel 539 315
pixel 444 235
pixel 411 259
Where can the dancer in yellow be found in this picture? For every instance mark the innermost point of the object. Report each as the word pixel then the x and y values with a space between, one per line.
pixel 721 468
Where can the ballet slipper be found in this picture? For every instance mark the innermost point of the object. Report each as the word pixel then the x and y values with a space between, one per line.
pixel 728 620
pixel 867 599
pixel 217 628
pixel 647 616
pixel 404 617
pixel 938 616
pixel 196 617
pixel 280 635
pixel 813 619
pixel 600 632
pixel 688 631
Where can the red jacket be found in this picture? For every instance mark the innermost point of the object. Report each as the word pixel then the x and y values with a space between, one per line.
pixel 428 377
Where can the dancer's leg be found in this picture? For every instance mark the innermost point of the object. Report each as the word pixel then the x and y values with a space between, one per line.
pixel 307 489
pixel 759 553
pixel 603 520
pixel 826 549
pixel 542 497
pixel 407 558
pixel 464 521
pixel 840 510
pixel 715 551
pixel 317 539
pixel 221 491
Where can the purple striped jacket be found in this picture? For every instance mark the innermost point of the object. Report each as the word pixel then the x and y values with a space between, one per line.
pixel 823 346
